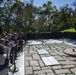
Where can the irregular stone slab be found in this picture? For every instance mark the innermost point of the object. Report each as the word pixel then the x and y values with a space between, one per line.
pixel 73 70
pixel 57 67
pixel 41 63
pixel 27 63
pixel 72 58
pixel 60 53
pixel 59 58
pixel 50 61
pixel 47 55
pixel 68 66
pixel 29 70
pixel 53 53
pixel 36 57
pixel 62 71
pixel 34 63
pixel 62 74
pixel 42 51
pixel 47 71
pixel 38 72
pixel 67 62
pixel 36 68
pixel 47 67
pixel 51 74
pixel 28 58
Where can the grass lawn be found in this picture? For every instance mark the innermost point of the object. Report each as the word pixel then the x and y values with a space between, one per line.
pixel 69 30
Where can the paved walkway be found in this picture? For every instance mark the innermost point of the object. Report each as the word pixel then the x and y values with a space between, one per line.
pixel 20 64
pixel 35 66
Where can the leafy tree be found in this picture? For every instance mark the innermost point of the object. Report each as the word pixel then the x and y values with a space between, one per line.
pixel 30 15
pixel 74 15
pixel 47 10
pixel 1 1
pixel 6 15
pixel 74 4
pixel 65 17
pixel 18 15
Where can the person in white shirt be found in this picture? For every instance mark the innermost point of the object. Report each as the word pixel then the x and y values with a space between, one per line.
pixel 3 56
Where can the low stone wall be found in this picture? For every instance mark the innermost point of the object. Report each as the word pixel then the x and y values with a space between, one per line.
pixel 70 35
pixel 51 35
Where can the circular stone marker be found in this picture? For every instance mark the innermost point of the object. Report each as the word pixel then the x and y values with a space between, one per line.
pixel 71 52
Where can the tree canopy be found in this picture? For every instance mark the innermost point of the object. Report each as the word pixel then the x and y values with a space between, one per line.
pixel 17 16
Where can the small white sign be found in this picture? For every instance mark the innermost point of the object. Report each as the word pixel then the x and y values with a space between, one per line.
pixel 50 61
pixel 34 42
pixel 42 51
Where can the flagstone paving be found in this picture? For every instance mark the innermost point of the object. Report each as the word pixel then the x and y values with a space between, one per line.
pixel 34 65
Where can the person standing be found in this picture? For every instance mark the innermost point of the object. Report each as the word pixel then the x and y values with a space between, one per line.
pixel 3 57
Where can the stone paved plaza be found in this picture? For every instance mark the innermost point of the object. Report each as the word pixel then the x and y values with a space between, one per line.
pixel 35 66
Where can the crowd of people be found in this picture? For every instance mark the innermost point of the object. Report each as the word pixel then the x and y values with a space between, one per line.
pixel 10 46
